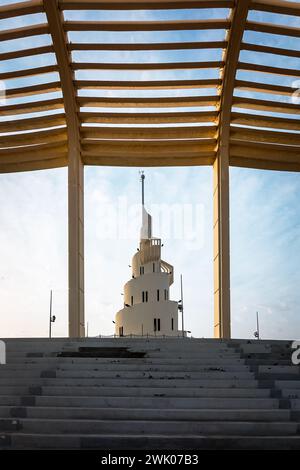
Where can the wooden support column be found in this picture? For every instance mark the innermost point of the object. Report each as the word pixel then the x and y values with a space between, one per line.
pixel 75 172
pixel 221 225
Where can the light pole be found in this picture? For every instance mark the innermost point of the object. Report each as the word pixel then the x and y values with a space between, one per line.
pixel 52 318
pixel 256 333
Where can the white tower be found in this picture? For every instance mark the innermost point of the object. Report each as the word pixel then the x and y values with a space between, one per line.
pixel 147 308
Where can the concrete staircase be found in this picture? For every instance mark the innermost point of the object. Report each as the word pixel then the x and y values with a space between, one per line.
pixel 149 394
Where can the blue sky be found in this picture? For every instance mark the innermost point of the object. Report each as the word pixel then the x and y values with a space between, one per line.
pixel 265 211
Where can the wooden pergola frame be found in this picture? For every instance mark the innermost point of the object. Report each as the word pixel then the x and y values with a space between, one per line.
pixel 74 131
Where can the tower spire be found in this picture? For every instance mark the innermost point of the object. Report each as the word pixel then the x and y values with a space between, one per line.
pixel 143 187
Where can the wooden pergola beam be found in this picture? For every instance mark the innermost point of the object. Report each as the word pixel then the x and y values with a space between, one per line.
pixel 266 105
pixel 148 66
pixel 148 118
pixel 75 171
pixel 270 50
pixel 43 164
pixel 181 25
pixel 146 85
pixel 24 32
pixel 29 72
pixel 222 328
pixel 26 52
pixel 32 90
pixel 271 28
pixel 149 46
pixel 33 107
pixel 188 101
pixel 277 6
pixel 142 5
pixel 21 9
pixel 264 88
pixel 44 122
pixel 257 120
pixel 268 69
pixel 136 133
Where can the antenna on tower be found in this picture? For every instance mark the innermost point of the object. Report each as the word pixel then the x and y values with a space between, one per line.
pixel 143 186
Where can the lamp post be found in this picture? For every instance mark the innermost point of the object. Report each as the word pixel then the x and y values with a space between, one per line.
pixel 52 318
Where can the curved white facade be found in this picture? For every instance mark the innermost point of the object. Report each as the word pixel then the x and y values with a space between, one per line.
pixel 147 309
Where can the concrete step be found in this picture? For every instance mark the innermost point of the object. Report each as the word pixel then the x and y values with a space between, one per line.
pixel 50 361
pixel 144 414
pixel 83 374
pixel 290 392
pixel 147 442
pixel 295 403
pixel 114 382
pixel 146 391
pixel 287 384
pixel 140 374
pixel 142 402
pixel 82 363
pixel 154 402
pixel 82 426
pixel 128 367
pixel 280 370
pixel 165 345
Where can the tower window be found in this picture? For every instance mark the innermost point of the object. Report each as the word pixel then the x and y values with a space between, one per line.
pixel 121 331
pixel 156 324
pixel 132 300
pixel 166 294
pixel 154 267
pixel 172 324
pixel 142 270
pixel 146 296
pixel 157 294
pixel 143 296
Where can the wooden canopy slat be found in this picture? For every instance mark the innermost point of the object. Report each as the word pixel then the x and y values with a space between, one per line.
pixel 263 136
pixel 24 32
pixel 264 88
pixel 34 107
pixel 148 66
pixel 187 101
pixel 270 50
pixel 26 53
pixel 46 136
pixel 29 72
pixel 43 164
pixel 261 164
pixel 145 85
pixel 21 9
pixel 179 25
pixel 148 133
pixel 149 46
pixel 148 118
pixel 273 29
pixel 257 120
pixel 33 151
pixel 267 69
pixel 33 90
pixel 206 144
pixel 148 149
pixel 264 105
pixel 45 122
pixel 277 6
pixel 264 154
pixel 268 147
pixel 175 159
pixel 142 5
